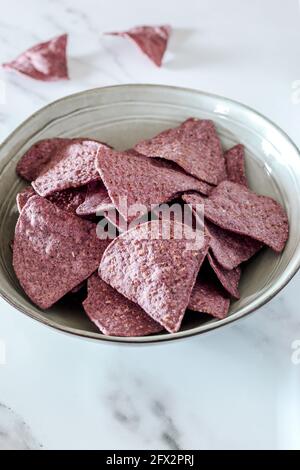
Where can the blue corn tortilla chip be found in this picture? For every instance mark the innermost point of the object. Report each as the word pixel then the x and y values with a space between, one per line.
pixel 235 165
pixel 23 196
pixel 152 40
pixel 37 157
pixel 72 166
pixel 54 251
pixel 96 200
pixel 233 207
pixel 229 279
pixel 115 315
pixel 209 298
pixel 194 145
pixel 154 269
pixel 141 180
pixel 46 61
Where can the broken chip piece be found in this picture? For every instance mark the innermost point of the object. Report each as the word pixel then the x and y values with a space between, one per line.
pixel 155 267
pixel 54 251
pixel 194 145
pixel 46 61
pixel 152 40
pixel 114 314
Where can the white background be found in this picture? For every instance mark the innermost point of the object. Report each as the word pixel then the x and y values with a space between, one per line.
pixel 234 388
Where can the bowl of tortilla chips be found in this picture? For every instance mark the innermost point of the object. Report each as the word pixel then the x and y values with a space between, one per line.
pixel 79 259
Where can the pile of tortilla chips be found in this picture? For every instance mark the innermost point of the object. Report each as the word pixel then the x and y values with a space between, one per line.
pixel 143 277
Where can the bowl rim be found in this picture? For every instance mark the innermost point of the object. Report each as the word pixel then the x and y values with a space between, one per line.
pixel 154 339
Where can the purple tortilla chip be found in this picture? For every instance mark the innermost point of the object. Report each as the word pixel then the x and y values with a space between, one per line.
pixel 154 267
pixel 235 165
pixel 234 207
pixel 23 197
pixel 115 315
pixel 194 145
pixel 72 166
pixel 46 61
pixel 230 249
pixel 208 298
pixel 54 251
pixel 69 199
pixel 229 279
pixel 33 162
pixel 139 180
pixel 152 40
pixel 96 200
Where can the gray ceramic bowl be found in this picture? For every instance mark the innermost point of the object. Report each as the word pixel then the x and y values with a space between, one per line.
pixel 121 115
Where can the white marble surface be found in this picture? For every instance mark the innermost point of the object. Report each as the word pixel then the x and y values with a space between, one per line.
pixel 237 387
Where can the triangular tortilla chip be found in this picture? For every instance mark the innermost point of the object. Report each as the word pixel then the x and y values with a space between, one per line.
pixel 234 207
pixel 229 249
pixel 132 179
pixel 46 61
pixel 72 166
pixel 54 251
pixel 194 145
pixel 35 159
pixel 155 265
pixel 115 315
pixel 152 40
